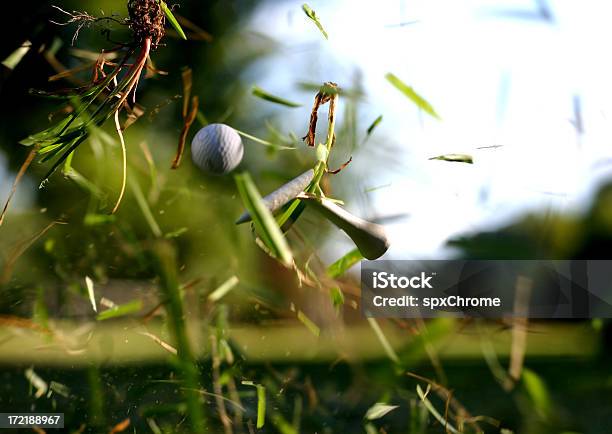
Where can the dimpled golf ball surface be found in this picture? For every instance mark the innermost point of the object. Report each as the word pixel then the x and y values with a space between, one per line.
pixel 217 149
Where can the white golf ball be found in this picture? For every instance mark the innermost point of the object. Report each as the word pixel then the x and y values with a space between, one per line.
pixel 217 149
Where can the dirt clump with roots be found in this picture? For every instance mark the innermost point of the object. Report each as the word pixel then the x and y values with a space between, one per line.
pixel 147 21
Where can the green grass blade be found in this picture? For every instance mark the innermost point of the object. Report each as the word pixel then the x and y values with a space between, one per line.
pixel 165 259
pixel 121 310
pixel 60 389
pixel 265 142
pixel 90 293
pixel 261 402
pixel 379 410
pixel 383 340
pixel 92 219
pixel 427 403
pixel 265 224
pixel 374 124
pixel 291 214
pixel 282 425
pixel 82 107
pixel 145 208
pixel 17 56
pixel 71 148
pixel 455 158
pixel 50 151
pixel 173 20
pixel 308 323
pixel 261 406
pixel 260 93
pixel 60 133
pixel 337 298
pixel 313 16
pixel 377 187
pixel 87 186
pixel 222 290
pixel 177 233
pixel 412 95
pixel 47 136
pixel 36 382
pixel 339 267
pixel 538 392
pixel 68 164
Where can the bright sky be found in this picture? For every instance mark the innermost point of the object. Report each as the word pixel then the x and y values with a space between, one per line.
pixel 496 72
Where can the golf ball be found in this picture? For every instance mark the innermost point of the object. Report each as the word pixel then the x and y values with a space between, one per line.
pixel 217 149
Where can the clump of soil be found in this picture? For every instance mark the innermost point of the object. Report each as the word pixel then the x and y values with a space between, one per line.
pixel 147 21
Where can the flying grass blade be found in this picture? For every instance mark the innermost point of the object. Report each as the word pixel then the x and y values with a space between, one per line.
pixel 279 140
pixel 538 392
pixel 265 142
pixel 222 290
pixel 379 410
pixel 293 211
pixel 261 402
pixel 121 310
pixel 340 267
pixel 337 298
pixel 68 164
pixel 313 16
pixel 383 340
pixel 374 124
pixel 177 233
pixel 87 186
pixel 145 208
pixel 283 195
pixel 377 187
pixel 48 135
pixel 265 225
pixel 173 20
pixel 427 403
pixel 98 219
pixel 412 95
pixel 55 134
pixel 90 292
pixel 17 56
pixel 37 382
pixel 455 158
pixel 75 144
pixel 166 346
pixel 60 389
pixel 310 325
pixel 260 93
